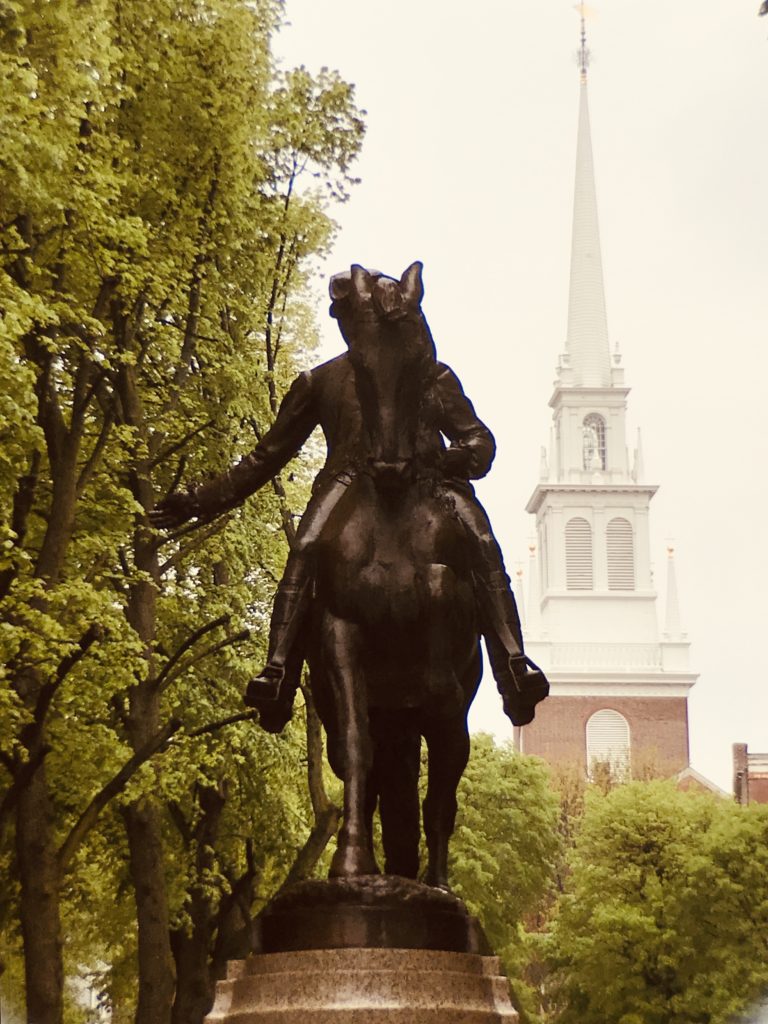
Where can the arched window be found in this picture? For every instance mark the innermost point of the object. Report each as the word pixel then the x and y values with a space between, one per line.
pixel 621 554
pixel 608 741
pixel 578 554
pixel 593 441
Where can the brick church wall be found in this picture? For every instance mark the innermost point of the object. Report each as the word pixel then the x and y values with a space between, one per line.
pixel 658 729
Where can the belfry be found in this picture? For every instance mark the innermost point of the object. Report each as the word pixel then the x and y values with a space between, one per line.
pixel 619 684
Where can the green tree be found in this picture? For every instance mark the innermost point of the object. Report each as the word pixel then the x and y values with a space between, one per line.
pixel 504 851
pixel 665 915
pixel 154 244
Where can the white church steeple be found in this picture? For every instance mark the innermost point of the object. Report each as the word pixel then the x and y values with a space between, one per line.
pixel 595 629
pixel 587 339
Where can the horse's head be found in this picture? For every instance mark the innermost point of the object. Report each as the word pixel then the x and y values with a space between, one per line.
pixel 393 355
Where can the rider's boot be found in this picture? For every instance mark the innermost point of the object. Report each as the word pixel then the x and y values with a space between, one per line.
pixel 520 682
pixel 272 691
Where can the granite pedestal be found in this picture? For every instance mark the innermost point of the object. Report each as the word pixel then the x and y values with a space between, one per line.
pixel 364 986
pixel 371 950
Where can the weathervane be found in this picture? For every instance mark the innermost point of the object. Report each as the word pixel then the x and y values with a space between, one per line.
pixel 583 54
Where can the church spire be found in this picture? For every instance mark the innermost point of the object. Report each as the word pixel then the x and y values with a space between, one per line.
pixel 587 339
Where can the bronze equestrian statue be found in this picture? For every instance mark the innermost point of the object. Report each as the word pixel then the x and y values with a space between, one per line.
pixel 393 576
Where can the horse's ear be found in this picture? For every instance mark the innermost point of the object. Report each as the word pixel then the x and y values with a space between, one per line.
pixel 338 286
pixel 362 281
pixel 411 283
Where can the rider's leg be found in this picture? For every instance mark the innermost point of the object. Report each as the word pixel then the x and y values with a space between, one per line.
pixel 520 688
pixel 291 600
pixel 288 609
pixel 499 615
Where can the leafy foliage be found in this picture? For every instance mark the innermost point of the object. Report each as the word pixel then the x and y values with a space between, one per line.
pixel 665 916
pixel 156 247
pixel 505 849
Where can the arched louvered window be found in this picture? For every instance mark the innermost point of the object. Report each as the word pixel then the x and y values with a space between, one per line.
pixel 608 741
pixel 593 441
pixel 621 554
pixel 578 554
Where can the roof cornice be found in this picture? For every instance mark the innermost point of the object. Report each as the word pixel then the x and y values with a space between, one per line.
pixel 544 488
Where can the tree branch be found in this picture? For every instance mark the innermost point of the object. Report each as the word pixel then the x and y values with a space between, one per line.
pixel 190 641
pixel 90 463
pixel 323 831
pixel 207 529
pixel 116 785
pixel 22 505
pixel 67 663
pixel 207 653
pixel 327 815
pixel 316 784
pixel 243 716
pixel 173 448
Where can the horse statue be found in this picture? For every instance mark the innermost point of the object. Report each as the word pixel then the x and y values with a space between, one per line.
pixel 394 654
pixel 393 576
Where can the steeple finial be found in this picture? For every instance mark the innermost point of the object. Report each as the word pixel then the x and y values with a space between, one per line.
pixel 583 50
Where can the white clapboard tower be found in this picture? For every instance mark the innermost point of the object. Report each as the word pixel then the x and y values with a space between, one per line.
pixel 619 685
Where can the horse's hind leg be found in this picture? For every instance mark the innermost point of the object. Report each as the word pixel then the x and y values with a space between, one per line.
pixel 396 756
pixel 448 749
pixel 444 598
pixel 341 645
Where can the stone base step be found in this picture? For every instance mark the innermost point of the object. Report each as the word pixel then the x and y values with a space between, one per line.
pixel 369 1015
pixel 364 986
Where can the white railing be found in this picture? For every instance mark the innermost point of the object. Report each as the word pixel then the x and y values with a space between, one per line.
pixel 609 656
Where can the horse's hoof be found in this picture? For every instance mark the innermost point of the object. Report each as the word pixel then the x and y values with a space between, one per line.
pixel 436 882
pixel 350 861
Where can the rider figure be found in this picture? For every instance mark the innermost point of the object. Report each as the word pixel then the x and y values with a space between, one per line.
pixel 326 396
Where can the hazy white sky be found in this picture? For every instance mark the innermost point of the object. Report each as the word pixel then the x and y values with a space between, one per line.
pixel 468 165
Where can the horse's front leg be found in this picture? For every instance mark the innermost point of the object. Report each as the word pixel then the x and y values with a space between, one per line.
pixel 448 754
pixel 341 642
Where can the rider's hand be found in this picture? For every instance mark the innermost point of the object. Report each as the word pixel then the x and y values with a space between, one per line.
pixel 456 462
pixel 173 511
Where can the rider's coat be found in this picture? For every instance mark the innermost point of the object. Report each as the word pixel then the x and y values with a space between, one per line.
pixel 326 396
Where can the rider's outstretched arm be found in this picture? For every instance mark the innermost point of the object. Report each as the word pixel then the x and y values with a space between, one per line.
pixel 296 419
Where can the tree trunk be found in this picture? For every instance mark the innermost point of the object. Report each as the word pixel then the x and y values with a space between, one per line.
pixel 143 822
pixel 155 962
pixel 144 827
pixel 194 985
pixel 36 840
pixel 194 982
pixel 145 845
pixel 40 919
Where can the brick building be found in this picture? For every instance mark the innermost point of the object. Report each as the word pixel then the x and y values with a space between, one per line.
pixel 619 684
pixel 750 775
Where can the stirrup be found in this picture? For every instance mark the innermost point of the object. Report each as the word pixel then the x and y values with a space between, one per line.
pixel 529 681
pixel 266 685
pixel 525 687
